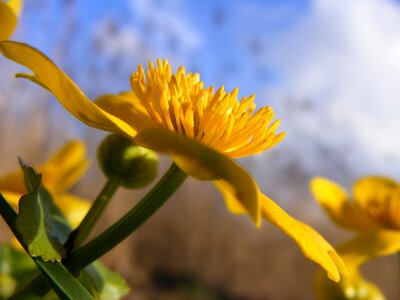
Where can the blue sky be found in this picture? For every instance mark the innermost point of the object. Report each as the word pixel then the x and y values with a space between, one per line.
pixel 216 38
pixel 329 68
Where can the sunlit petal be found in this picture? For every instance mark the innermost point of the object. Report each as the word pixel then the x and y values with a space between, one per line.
pixel 13 182
pixel 232 203
pixel 350 287
pixel 204 163
pixel 9 13
pixel 310 242
pixel 62 170
pixel 65 167
pixel 72 207
pixel 15 5
pixel 128 108
pixel 368 187
pixel 368 245
pixel 335 201
pixel 47 74
pixel 11 197
pixel 379 198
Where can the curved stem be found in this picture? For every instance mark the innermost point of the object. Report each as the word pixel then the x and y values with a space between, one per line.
pixel 129 222
pixel 83 256
pixel 82 232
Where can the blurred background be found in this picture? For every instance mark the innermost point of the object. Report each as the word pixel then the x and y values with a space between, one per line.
pixel 329 68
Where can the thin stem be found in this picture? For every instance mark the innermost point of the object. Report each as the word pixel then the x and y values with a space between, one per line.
pixel 129 222
pixel 88 253
pixel 82 232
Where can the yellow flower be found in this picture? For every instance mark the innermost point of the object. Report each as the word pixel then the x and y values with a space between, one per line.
pixel 59 173
pixel 352 287
pixel 373 212
pixel 9 13
pixel 200 129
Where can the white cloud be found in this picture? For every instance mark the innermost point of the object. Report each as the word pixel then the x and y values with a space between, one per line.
pixel 339 70
pixel 152 30
pixel 124 42
pixel 168 20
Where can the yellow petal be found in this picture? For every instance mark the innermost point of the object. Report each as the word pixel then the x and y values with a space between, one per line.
pixel 335 201
pixel 368 245
pixel 354 253
pixel 354 287
pixel 204 163
pixel 9 13
pixel 233 204
pixel 8 21
pixel 15 5
pixel 368 188
pixel 73 208
pixel 128 108
pixel 379 197
pixel 310 242
pixel 13 182
pixel 12 197
pixel 47 74
pixel 65 167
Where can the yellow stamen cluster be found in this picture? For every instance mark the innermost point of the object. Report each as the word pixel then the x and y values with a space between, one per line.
pixel 181 104
pixel 385 208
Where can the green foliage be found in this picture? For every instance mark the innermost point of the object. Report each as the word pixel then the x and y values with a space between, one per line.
pixel 40 222
pixel 15 267
pixel 63 282
pixel 103 283
pixel 42 230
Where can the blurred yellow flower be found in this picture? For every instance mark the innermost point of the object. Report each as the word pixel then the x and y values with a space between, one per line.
pixel 352 287
pixel 58 174
pixel 200 129
pixel 374 213
pixel 9 13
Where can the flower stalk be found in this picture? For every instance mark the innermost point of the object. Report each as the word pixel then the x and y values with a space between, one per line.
pixel 93 250
pixel 132 220
pixel 82 232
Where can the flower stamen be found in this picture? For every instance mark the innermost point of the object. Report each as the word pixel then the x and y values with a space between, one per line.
pixel 180 103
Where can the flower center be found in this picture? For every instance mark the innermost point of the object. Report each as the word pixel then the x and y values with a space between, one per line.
pixel 180 103
pixel 385 208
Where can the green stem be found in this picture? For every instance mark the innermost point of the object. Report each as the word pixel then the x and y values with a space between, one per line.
pixel 54 274
pixel 82 232
pixel 88 253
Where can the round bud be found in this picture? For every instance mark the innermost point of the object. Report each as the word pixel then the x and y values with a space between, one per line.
pixel 120 156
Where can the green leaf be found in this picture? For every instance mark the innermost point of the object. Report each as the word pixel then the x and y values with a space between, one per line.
pixel 103 283
pixel 62 281
pixel 61 224
pixel 43 227
pixel 15 267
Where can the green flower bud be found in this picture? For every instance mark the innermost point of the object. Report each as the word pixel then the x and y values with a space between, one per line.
pixel 120 156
